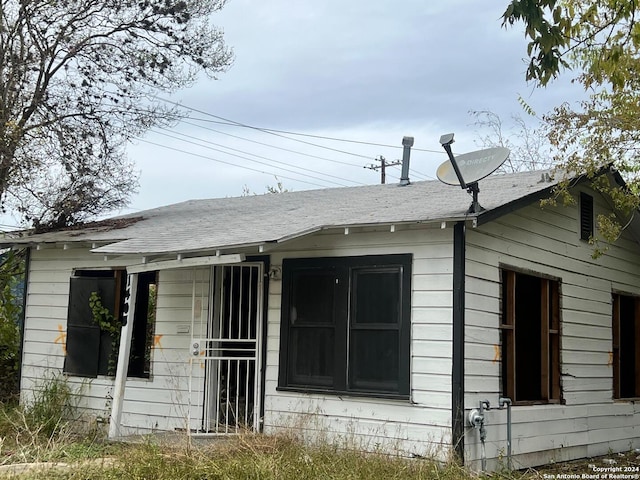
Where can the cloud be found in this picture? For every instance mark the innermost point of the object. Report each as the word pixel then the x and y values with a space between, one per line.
pixel 368 71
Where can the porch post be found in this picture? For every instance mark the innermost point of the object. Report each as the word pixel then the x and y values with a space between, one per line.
pixel 123 356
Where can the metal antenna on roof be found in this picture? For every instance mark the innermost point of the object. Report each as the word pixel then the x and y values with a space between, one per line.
pixel 468 169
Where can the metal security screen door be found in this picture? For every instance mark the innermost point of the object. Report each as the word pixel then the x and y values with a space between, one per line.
pixel 230 353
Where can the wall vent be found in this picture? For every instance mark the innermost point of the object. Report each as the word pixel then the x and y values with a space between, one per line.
pixel 586 216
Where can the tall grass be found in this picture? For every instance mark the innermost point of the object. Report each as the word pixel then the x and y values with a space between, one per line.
pixel 45 426
pixel 49 429
pixel 256 457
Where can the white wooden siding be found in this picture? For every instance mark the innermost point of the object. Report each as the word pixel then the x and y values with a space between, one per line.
pixel 420 426
pixel 158 403
pixel 590 422
pixel 543 241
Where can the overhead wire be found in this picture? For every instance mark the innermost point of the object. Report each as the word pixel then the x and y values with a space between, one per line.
pixel 271 132
pixel 414 171
pixel 228 163
pixel 207 143
pixel 283 134
pixel 275 146
pixel 310 135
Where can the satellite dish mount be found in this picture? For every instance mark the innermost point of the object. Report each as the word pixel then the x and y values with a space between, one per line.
pixel 470 168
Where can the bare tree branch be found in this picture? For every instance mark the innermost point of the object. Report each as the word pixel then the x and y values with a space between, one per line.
pixel 78 79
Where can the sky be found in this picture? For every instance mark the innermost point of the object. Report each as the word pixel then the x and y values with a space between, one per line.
pixel 365 72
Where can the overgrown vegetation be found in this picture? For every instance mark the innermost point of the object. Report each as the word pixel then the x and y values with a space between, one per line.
pixel 247 457
pixel 264 457
pixel 107 323
pixel 48 438
pixel 597 42
pixel 47 426
pixel 11 277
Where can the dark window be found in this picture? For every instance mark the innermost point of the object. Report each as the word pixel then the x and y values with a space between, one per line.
pixel 143 326
pixel 626 340
pixel 530 338
pixel 345 324
pixel 586 216
pixel 92 343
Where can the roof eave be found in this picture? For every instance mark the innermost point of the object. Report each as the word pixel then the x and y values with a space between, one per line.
pixel 487 216
pixel 111 249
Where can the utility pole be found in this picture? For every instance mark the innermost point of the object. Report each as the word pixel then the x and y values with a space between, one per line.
pixel 382 167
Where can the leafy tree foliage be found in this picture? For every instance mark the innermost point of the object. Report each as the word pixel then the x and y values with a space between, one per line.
pixel 599 37
pixel 11 276
pixel 599 41
pixel 78 79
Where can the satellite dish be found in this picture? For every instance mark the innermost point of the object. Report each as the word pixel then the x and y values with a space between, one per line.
pixel 473 166
pixel 468 169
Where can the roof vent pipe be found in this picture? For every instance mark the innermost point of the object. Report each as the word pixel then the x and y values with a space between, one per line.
pixel 407 143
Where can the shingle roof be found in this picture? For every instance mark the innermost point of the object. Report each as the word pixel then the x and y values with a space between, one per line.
pixel 200 225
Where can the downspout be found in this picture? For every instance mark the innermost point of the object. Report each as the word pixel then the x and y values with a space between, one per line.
pixel 457 373
pixel 123 357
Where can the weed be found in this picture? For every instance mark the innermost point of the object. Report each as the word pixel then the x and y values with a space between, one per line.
pixel 51 408
pixel 11 277
pixel 251 456
pixel 48 426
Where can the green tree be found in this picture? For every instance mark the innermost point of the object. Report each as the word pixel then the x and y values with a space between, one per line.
pixel 599 42
pixel 12 267
pixel 598 38
pixel 78 79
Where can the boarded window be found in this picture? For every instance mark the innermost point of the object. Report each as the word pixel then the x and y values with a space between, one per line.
pixel 626 346
pixel 92 349
pixel 345 324
pixel 530 338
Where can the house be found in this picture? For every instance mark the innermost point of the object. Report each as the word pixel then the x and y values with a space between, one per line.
pixel 378 315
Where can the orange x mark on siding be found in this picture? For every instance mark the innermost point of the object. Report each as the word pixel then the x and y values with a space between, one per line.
pixel 156 341
pixel 496 353
pixel 61 339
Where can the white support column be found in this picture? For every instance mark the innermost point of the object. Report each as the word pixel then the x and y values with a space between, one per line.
pixel 123 357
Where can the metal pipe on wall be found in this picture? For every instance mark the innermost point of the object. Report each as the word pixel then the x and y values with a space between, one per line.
pixel 502 401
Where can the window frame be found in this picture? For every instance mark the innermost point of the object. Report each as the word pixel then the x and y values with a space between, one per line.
pixel 343 310
pixel 617 356
pixel 550 337
pixel 89 351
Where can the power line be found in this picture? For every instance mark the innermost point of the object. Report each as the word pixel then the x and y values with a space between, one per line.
pixel 282 133
pixel 229 163
pixel 310 135
pixel 273 146
pixel 252 160
pixel 417 173
pixel 271 132
pixel 413 171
